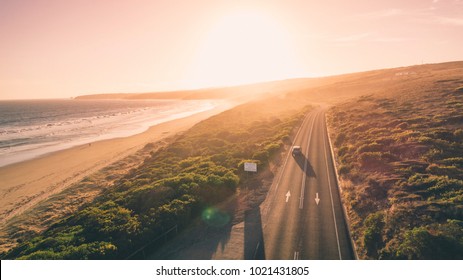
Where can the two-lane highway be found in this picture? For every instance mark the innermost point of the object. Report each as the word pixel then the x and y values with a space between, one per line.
pixel 304 218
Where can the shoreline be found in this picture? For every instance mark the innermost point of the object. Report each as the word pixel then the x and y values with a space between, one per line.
pixel 26 183
pixel 123 124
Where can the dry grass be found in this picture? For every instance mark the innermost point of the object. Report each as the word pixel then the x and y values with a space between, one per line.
pixel 401 152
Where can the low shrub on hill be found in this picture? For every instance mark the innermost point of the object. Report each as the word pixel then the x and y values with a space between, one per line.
pixel 401 157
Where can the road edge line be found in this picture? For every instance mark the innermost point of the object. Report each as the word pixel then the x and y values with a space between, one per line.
pixel 344 210
pixel 331 192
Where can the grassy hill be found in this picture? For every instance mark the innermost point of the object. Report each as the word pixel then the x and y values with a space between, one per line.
pixel 400 156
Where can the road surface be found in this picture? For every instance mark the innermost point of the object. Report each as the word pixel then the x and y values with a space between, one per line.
pixel 303 216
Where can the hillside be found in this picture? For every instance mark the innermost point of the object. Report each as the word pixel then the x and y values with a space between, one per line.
pixel 332 89
pixel 400 157
pixel 236 92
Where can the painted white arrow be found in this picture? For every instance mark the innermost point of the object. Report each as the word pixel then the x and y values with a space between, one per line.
pixel 288 194
pixel 317 200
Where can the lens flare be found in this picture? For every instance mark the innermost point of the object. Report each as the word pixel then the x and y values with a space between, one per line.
pixel 215 217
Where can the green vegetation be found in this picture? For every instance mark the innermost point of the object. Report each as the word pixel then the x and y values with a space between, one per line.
pixel 400 160
pixel 174 185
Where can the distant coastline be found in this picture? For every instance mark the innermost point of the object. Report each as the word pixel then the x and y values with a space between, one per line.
pixel 240 92
pixel 181 95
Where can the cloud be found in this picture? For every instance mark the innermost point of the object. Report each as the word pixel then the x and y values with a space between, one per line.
pixel 352 38
pixel 391 39
pixel 429 14
pixel 387 13
pixel 450 21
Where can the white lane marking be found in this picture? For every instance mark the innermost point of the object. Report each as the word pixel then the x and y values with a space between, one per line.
pixel 288 194
pixel 304 175
pixel 331 194
pixel 296 255
pixel 317 200
pixel 255 251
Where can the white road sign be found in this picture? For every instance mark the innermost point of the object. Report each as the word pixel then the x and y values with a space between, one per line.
pixel 250 166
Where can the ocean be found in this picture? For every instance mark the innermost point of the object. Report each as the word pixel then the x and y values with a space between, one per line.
pixel 31 128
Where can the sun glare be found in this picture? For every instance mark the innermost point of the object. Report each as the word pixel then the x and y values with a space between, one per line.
pixel 243 48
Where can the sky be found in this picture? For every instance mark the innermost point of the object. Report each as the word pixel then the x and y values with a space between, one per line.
pixel 61 49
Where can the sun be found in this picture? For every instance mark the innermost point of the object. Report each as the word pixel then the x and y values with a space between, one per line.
pixel 245 47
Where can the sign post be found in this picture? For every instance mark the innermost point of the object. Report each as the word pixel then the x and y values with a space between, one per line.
pixel 249 167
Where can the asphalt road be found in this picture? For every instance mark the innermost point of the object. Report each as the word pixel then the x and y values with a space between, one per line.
pixel 304 218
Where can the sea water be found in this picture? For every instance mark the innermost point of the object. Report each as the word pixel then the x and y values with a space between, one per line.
pixel 30 128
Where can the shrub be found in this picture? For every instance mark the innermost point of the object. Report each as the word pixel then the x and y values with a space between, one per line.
pixel 372 238
pixel 420 244
pixel 340 138
pixel 373 147
pixel 342 151
pixel 344 169
pixel 458 134
pixel 262 156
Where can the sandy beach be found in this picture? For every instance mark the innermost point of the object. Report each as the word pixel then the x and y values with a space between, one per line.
pixel 24 184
